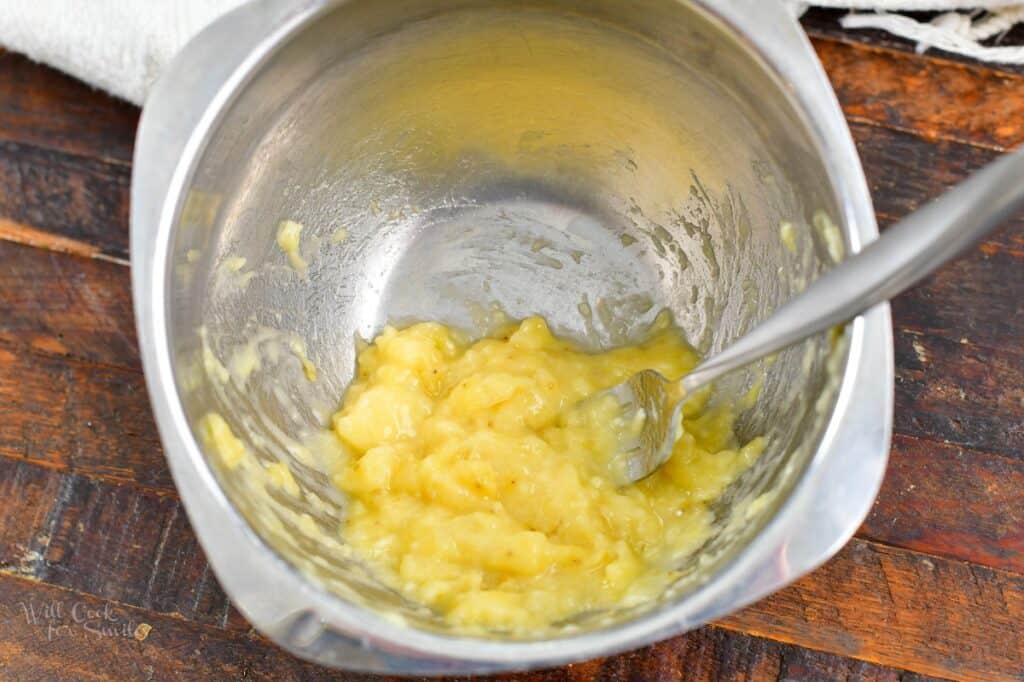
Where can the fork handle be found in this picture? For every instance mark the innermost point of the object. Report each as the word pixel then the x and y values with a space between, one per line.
pixel 900 258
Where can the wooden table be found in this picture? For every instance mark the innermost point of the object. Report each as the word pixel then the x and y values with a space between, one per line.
pixel 102 578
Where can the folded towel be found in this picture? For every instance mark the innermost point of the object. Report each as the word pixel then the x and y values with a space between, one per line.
pixel 122 45
pixel 117 45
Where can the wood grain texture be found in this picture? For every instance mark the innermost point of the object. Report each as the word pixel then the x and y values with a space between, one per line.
pixel 25 527
pixel 976 300
pixel 17 233
pixel 876 603
pixel 45 108
pixel 942 499
pixel 81 417
pixel 933 98
pixel 67 306
pixel 72 196
pixel 51 633
pixel 116 542
pixel 959 393
pixel 905 171
pixel 978 297
pixel 714 653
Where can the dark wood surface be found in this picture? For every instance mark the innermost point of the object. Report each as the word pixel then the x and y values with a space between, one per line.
pixel 100 574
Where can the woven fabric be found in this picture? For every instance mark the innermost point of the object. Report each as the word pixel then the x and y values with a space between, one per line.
pixel 973 28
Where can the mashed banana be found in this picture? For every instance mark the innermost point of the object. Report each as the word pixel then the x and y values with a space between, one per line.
pixel 477 491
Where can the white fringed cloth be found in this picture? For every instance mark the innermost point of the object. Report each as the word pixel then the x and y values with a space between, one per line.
pixel 971 28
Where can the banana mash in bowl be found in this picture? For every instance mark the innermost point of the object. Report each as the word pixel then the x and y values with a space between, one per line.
pixel 477 489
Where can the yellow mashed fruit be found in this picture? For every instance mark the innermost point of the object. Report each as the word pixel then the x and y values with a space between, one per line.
pixel 477 490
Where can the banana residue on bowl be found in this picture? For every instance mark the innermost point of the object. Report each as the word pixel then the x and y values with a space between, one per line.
pixel 476 490
pixel 288 234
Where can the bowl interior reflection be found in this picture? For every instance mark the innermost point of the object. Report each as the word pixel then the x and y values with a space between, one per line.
pixel 590 165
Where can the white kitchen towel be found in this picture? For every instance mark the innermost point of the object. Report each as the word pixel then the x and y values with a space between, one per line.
pixel 122 45
pixel 117 45
pixel 961 28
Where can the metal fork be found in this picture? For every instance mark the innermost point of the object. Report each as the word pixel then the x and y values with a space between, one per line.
pixel 900 258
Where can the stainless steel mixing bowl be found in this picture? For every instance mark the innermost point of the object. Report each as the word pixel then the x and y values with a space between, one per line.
pixel 593 163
